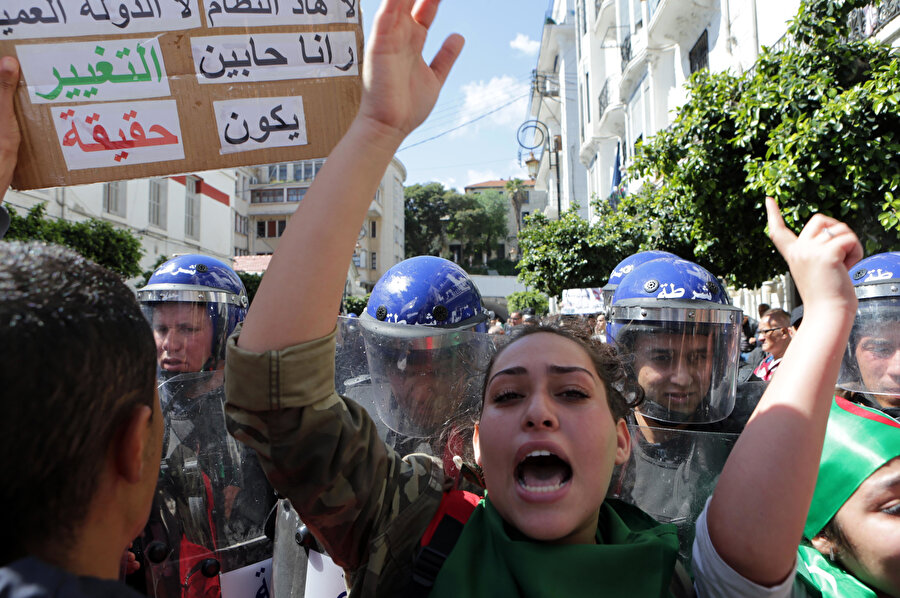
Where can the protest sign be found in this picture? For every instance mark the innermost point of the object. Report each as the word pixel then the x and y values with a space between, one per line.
pixel 121 89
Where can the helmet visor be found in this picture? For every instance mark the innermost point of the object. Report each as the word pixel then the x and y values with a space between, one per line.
pixel 421 382
pixel 687 368
pixel 871 363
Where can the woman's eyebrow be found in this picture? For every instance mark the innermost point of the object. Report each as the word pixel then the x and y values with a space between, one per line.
pixel 513 371
pixel 564 369
pixel 883 483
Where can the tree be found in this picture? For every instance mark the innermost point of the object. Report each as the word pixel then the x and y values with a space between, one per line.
pixel 522 299
pixel 355 305
pixel 251 283
pixel 116 249
pixel 815 124
pixel 146 274
pixel 476 221
pixel 425 209
pixel 516 190
pixel 565 253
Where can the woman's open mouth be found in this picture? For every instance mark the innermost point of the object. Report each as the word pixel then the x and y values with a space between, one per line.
pixel 541 472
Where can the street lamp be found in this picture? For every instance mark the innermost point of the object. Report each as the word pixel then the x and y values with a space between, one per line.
pixel 540 139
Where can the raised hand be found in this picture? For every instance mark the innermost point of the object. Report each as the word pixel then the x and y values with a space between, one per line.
pixel 819 259
pixel 399 88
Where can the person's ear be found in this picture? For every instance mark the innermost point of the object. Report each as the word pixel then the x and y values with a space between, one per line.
pixel 133 439
pixel 623 442
pixel 826 546
pixel 476 445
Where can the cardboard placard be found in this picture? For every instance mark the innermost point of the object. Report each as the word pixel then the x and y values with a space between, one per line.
pixel 123 89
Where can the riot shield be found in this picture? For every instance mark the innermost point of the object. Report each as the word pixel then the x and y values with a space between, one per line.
pixel 205 536
pixel 671 473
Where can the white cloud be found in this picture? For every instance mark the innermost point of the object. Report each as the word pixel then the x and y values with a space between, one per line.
pixel 481 176
pixel 525 45
pixel 482 97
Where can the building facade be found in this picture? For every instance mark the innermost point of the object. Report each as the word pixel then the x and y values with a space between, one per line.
pixel 276 191
pixel 194 213
pixel 533 200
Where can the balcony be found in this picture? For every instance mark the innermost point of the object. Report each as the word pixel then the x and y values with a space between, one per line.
pixel 625 49
pixel 867 21
pixel 603 99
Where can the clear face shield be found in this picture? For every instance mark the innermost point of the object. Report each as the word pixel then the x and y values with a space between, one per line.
pixel 871 363
pixel 423 376
pixel 212 497
pixel 685 358
pixel 190 328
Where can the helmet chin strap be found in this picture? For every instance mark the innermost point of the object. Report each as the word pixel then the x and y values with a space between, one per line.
pixel 210 365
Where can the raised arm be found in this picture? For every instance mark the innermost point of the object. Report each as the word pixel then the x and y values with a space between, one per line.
pixel 759 507
pixel 297 298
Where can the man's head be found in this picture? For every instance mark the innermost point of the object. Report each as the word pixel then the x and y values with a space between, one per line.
pixel 672 322
pixel 762 309
pixel 774 332
pixel 515 318
pixel 424 329
pixel 193 303
pixel 871 364
pixel 82 421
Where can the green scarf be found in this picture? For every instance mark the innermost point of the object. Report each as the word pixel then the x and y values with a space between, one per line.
pixel 827 579
pixel 635 557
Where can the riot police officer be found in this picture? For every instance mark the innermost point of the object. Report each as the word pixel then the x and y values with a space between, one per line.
pixel 212 498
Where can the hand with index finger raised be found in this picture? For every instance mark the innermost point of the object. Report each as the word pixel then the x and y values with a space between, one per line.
pixel 819 258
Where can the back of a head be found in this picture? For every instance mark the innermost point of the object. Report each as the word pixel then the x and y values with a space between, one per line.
pixel 77 358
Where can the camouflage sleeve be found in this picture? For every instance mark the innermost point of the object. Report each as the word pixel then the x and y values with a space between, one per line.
pixel 324 454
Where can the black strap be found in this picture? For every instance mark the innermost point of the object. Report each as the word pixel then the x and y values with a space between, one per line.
pixel 430 558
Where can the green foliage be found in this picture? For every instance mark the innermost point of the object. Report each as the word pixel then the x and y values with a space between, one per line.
pixel 146 274
pixel 522 299
pixel 355 305
pixel 425 209
pixel 516 190
pixel 434 214
pixel 98 241
pixel 251 283
pixel 562 254
pixel 502 266
pixel 816 124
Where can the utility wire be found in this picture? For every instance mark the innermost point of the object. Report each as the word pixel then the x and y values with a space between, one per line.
pixel 469 122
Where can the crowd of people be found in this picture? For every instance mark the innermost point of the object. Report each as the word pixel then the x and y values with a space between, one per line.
pixel 424 447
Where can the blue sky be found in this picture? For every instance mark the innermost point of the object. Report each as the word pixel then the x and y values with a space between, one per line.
pixel 502 39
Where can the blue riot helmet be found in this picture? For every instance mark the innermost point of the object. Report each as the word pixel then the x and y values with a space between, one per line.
pixel 426 344
pixel 871 363
pixel 673 324
pixel 193 303
pixel 625 267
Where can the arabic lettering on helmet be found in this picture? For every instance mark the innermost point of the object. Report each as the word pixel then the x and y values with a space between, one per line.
pixel 704 295
pixel 878 274
pixel 671 293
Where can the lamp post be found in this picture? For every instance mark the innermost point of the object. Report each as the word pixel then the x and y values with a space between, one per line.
pixel 540 139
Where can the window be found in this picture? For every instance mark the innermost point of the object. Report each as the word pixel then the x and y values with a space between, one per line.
pixel 699 54
pixel 192 186
pixel 158 197
pixel 587 97
pixel 296 193
pixel 639 111
pixel 372 229
pixel 270 228
pixel 282 172
pixel 273 172
pixel 298 171
pixel 356 260
pixel 378 196
pixel 241 224
pixel 114 198
pixel 374 261
pixel 318 167
pixel 239 251
pixel 267 196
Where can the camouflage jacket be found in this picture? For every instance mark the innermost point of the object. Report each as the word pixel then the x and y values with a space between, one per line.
pixel 367 506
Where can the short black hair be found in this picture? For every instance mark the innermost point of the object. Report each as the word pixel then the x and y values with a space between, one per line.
pixel 76 358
